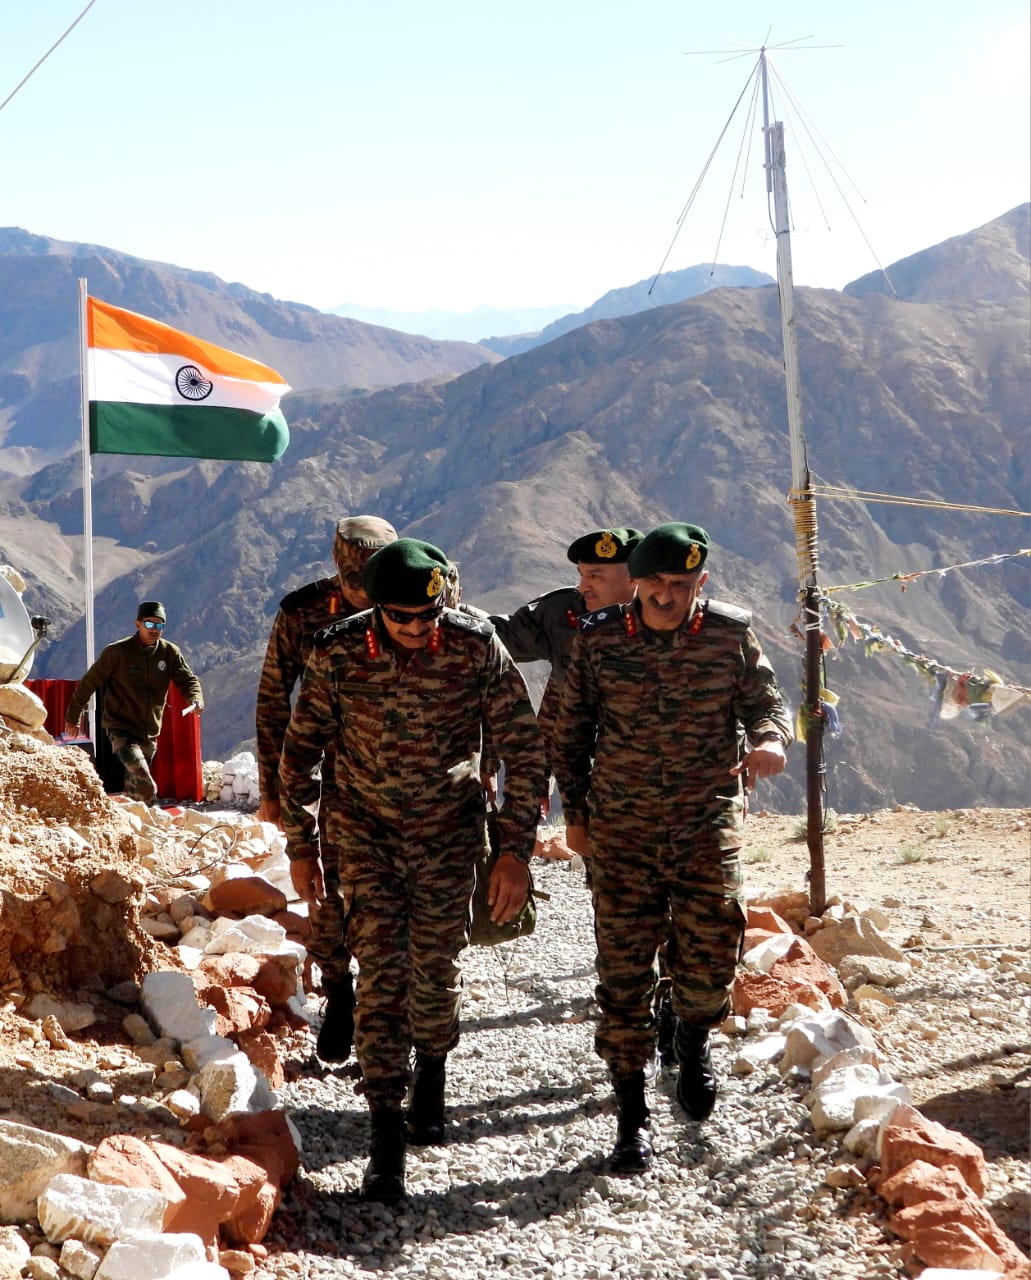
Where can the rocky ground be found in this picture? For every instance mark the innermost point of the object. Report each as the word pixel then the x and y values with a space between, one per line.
pixel 521 1188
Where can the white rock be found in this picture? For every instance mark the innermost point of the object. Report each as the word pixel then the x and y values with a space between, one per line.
pixel 71 1016
pixel 762 957
pixel 14 1252
pixel 758 1053
pixel 232 1086
pixel 29 1159
pixel 151 1254
pixel 861 1139
pixel 80 1259
pixel 170 1000
pixel 97 1212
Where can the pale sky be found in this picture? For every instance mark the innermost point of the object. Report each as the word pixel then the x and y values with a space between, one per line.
pixel 446 154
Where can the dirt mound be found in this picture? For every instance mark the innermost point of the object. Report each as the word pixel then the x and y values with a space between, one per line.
pixel 71 885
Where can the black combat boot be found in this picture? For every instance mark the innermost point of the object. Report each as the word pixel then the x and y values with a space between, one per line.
pixel 424 1124
pixel 633 1150
pixel 665 1026
pixel 696 1084
pixel 384 1179
pixel 337 1033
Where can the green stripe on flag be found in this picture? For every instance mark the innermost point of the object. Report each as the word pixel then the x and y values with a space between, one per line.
pixel 186 431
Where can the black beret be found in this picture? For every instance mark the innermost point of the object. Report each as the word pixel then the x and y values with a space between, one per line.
pixel 406 572
pixel 151 609
pixel 670 548
pixel 604 546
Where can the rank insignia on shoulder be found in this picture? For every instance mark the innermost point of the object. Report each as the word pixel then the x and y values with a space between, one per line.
pixel 599 617
pixel 728 612
pixel 336 630
pixel 467 622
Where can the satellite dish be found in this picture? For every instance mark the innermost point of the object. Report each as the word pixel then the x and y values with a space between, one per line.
pixel 16 634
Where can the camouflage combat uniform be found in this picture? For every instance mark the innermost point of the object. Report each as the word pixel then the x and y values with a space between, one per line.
pixel 544 630
pixel 407 815
pixel 648 728
pixel 301 614
pixel 135 679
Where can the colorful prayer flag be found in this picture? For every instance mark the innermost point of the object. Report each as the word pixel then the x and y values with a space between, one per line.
pixel 155 390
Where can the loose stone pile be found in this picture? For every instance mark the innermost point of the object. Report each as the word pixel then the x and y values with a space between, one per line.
pixel 521 1189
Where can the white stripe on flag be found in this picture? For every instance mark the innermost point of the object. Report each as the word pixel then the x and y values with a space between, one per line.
pixel 136 377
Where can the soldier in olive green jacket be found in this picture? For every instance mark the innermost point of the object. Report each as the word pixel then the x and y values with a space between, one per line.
pixel 134 675
pixel 648 758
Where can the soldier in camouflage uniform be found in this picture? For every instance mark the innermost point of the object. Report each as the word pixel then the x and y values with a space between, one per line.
pixel 134 675
pixel 649 765
pixel 301 614
pixel 544 629
pixel 400 694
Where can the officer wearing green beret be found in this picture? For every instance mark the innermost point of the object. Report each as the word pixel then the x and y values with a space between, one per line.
pixel 300 615
pixel 402 694
pixel 651 770
pixel 544 629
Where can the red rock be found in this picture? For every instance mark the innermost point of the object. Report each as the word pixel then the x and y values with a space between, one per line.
pixel 919 1180
pixel 763 917
pixel 911 1136
pixel 233 969
pixel 125 1161
pixel 245 895
pixel 276 980
pixel 211 1191
pixel 938 1220
pixel 267 1130
pixel 764 991
pixel 953 1244
pixel 261 1049
pixel 298 927
pixel 258 1201
pixel 801 964
pixel 238 1009
pixel 754 936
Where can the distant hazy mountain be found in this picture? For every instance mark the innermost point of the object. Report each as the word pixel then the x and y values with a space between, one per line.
pixel 39 343
pixel 672 286
pixel 459 326
pixel 674 413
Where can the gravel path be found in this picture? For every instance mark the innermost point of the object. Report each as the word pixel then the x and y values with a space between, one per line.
pixel 521 1187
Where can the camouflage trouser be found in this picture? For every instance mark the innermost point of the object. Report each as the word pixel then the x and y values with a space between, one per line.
pixel 136 757
pixel 327 938
pixel 646 889
pixel 407 899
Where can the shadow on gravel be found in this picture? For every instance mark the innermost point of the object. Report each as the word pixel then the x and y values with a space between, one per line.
pixel 556 1011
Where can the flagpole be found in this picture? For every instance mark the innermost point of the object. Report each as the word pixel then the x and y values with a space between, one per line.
pixel 87 488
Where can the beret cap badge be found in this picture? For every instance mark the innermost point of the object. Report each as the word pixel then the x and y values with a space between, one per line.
pixel 606 546
pixel 694 556
pixel 435 585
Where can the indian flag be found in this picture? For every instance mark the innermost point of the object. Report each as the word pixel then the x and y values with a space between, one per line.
pixel 154 390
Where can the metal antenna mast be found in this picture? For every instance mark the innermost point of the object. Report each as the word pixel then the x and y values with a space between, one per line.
pixel 803 504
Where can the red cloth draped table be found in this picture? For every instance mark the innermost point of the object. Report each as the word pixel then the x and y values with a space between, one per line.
pixel 177 765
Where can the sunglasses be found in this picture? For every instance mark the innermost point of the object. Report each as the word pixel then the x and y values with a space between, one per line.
pixel 423 615
pixel 153 626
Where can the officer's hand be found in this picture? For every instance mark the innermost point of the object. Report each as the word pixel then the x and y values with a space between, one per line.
pixel 489 783
pixel 271 811
pixel 306 877
pixel 577 839
pixel 764 761
pixel 509 884
pixel 71 730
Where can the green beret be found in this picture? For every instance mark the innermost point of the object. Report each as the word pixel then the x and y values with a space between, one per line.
pixel 151 609
pixel 406 572
pixel 670 548
pixel 604 546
